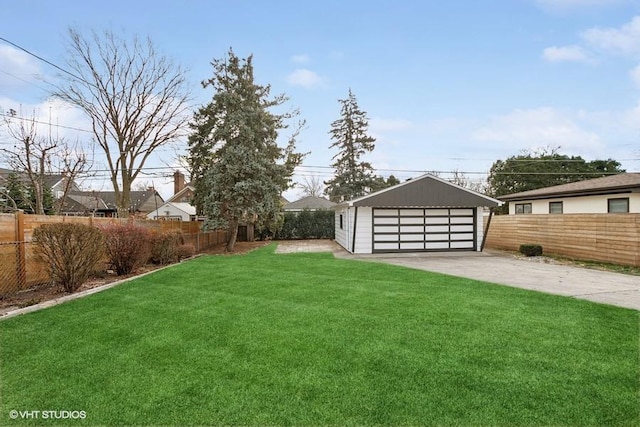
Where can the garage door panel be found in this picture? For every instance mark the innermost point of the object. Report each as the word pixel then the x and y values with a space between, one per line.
pixel 436 212
pixel 428 229
pixel 431 237
pixel 437 228
pixel 386 237
pixel 461 220
pixel 412 229
pixel 385 229
pixel 462 228
pixel 436 220
pixel 412 220
pixel 461 212
pixel 411 246
pixel 386 212
pixel 412 237
pixel 437 245
pixel 385 246
pixel 462 236
pixel 461 245
pixel 412 212
pixel 385 220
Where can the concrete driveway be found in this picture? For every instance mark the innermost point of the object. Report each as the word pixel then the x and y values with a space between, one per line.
pixel 498 267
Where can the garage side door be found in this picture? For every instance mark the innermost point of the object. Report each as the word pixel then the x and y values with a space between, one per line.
pixel 416 230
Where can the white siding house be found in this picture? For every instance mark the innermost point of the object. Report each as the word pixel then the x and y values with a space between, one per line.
pixel 420 215
pixel 174 211
pixel 612 194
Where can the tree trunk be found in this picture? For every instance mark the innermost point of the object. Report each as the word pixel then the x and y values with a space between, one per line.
pixel 233 235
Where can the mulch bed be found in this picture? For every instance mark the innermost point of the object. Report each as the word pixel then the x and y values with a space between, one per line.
pixel 48 292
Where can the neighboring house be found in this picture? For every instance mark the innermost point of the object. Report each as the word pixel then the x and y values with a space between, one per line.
pixel 423 214
pixel 182 192
pixel 611 194
pixel 178 206
pixel 103 203
pixel 311 203
pixel 56 182
pixel 174 211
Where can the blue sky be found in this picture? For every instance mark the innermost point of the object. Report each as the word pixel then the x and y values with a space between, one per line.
pixel 447 85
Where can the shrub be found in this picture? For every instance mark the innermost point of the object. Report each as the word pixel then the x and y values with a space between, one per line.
pixel 307 224
pixel 164 247
pixel 127 246
pixel 185 251
pixel 70 250
pixel 531 250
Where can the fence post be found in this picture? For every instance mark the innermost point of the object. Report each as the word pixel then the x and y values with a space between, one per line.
pixel 21 253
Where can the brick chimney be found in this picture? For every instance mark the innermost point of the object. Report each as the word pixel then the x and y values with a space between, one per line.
pixel 178 182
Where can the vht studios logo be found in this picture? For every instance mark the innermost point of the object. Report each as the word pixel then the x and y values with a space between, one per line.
pixel 48 415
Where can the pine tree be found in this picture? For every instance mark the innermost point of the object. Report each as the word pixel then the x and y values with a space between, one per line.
pixel 238 168
pixel 353 176
pixel 19 193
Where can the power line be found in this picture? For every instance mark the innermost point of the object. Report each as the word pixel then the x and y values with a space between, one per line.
pixel 9 116
pixel 28 52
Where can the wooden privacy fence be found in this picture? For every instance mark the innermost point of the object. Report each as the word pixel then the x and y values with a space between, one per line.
pixel 21 268
pixel 612 238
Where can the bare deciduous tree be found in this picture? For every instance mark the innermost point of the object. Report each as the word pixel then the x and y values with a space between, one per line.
pixel 36 157
pixel 312 186
pixel 135 98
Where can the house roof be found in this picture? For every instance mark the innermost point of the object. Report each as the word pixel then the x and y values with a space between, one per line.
pixel 108 198
pixel 425 190
pixel 309 202
pixel 49 179
pixel 620 183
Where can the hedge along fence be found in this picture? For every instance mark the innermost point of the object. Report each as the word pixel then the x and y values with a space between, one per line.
pixel 307 224
pixel 21 268
pixel 612 238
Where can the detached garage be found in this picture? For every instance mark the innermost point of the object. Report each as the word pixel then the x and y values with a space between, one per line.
pixel 424 214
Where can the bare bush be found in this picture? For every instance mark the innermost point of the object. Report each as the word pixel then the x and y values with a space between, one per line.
pixel 70 250
pixel 127 246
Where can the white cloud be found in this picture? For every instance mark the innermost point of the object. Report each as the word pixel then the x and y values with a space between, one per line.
pixel 624 40
pixel 305 78
pixel 565 53
pixel 541 127
pixel 18 67
pixel 301 59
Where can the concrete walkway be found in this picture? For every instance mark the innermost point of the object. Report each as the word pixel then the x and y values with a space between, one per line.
pixel 498 267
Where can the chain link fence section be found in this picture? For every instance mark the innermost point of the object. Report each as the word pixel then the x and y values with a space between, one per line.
pixel 20 268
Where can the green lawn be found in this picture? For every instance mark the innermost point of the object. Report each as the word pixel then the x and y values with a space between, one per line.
pixel 306 339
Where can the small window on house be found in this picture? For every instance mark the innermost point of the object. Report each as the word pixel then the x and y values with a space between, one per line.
pixel 341 222
pixel 555 207
pixel 523 208
pixel 618 205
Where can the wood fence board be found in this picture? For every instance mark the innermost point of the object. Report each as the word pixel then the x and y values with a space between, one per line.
pixel 611 238
pixel 15 276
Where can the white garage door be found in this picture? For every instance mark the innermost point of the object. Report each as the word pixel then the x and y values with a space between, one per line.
pixel 415 230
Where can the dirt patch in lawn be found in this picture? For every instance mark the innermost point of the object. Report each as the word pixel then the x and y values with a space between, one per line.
pixel 47 292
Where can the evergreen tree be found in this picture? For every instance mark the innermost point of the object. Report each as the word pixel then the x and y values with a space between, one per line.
pixel 533 170
pixel 353 176
pixel 19 193
pixel 238 168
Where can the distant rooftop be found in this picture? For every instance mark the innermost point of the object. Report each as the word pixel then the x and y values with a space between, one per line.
pixel 613 183
pixel 310 203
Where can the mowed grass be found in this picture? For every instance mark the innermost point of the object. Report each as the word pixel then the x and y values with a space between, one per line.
pixel 306 339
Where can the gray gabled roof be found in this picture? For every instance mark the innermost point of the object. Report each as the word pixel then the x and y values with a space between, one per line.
pixel 623 182
pixel 309 202
pixel 425 191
